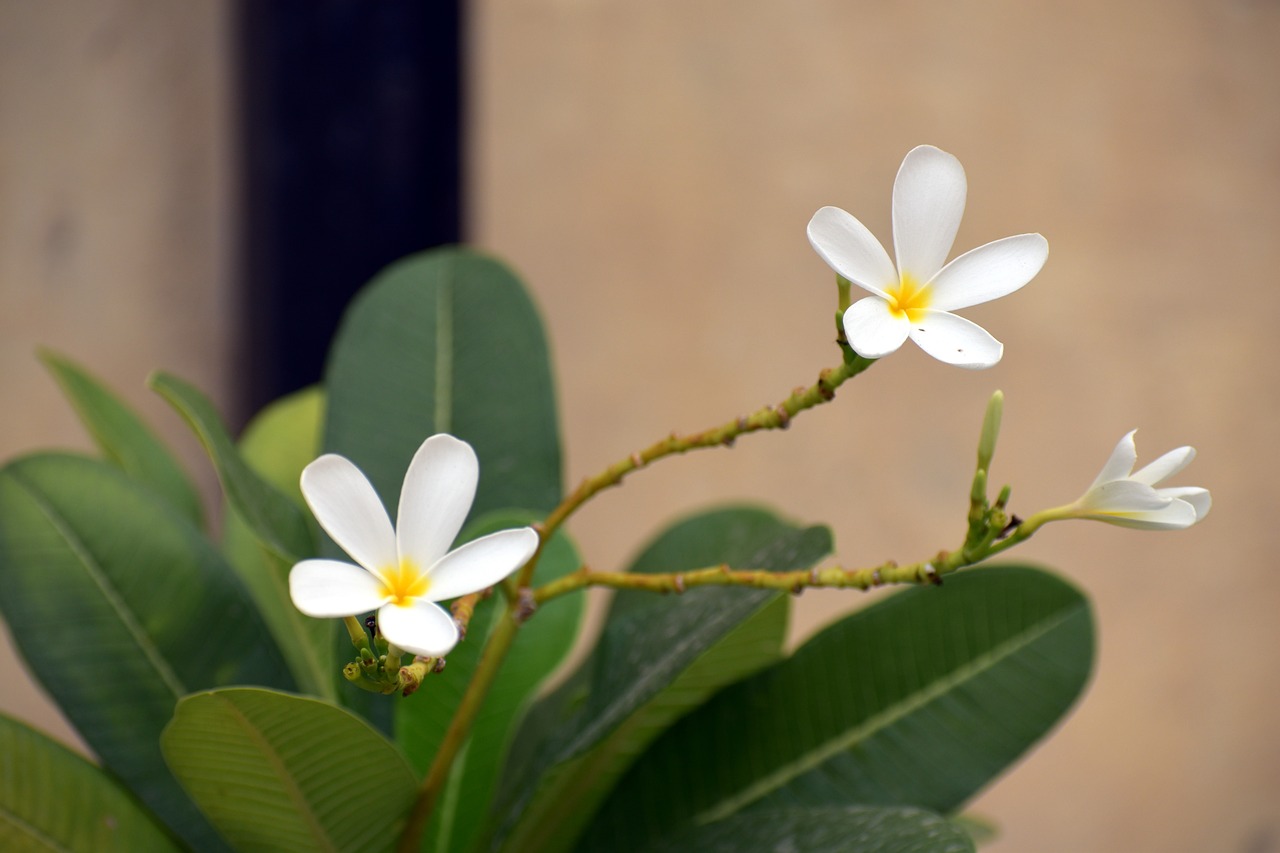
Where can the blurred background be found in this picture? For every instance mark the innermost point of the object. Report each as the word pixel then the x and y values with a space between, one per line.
pixel 200 186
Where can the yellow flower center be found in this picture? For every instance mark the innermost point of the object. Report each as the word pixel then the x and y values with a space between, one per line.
pixel 404 583
pixel 909 299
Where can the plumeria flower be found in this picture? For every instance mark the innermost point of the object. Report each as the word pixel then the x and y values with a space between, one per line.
pixel 1130 498
pixel 914 300
pixel 402 572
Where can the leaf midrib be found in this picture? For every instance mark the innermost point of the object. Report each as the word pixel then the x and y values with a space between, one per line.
pixel 8 817
pixel 877 722
pixel 288 782
pixel 443 414
pixel 607 719
pixel 599 765
pixel 95 573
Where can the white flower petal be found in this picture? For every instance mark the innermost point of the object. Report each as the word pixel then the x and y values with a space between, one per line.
pixel 1124 496
pixel 955 340
pixel 1166 466
pixel 1176 515
pixel 421 628
pixel 349 510
pixel 481 563
pixel 1198 498
pixel 851 250
pixel 928 202
pixel 872 329
pixel 1131 500
pixel 436 497
pixel 327 588
pixel 988 272
pixel 1120 463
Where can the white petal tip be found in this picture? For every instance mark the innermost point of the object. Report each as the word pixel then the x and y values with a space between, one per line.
pixel 929 151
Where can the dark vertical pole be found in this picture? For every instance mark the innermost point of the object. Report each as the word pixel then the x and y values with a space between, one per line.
pixel 351 113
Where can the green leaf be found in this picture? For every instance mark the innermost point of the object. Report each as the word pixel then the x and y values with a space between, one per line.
pixel 979 828
pixel 276 520
pixel 53 800
pixel 277 444
pixel 542 644
pixel 284 438
pixel 657 659
pixel 280 772
pixel 123 438
pixel 444 341
pixel 919 700
pixel 447 341
pixel 119 607
pixel 824 829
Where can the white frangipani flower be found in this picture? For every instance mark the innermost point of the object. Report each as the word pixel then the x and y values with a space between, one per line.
pixel 1130 498
pixel 402 572
pixel 914 300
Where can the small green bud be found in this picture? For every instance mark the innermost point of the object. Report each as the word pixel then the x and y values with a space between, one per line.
pixel 1003 500
pixel 391 661
pixel 978 494
pixel 990 430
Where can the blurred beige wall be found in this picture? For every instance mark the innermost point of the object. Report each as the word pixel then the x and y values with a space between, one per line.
pixel 650 167
pixel 115 221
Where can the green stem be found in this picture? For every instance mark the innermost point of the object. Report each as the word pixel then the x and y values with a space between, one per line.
pixel 495 651
pixel 355 630
pixel 1023 532
pixel 832 577
pixel 768 417
pixel 464 608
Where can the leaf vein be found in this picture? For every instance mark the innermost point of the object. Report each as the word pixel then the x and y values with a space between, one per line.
pixel 444 356
pixel 8 817
pixel 815 757
pixel 288 780
pixel 100 579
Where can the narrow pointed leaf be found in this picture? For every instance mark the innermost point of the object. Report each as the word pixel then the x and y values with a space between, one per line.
pixel 447 341
pixel 288 773
pixel 123 438
pixel 53 800
pixel 275 519
pixel 277 444
pixel 543 643
pixel 919 700
pixel 119 607
pixel 823 829
pixel 657 659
